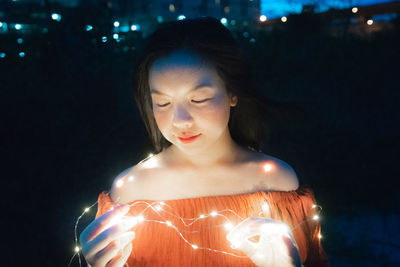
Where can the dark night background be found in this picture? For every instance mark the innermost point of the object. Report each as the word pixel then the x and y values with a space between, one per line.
pixel 69 126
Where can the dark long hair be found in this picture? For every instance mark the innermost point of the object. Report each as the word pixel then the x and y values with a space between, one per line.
pixel 208 38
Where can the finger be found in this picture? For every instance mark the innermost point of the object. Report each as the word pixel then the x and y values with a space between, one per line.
pixel 98 225
pixel 121 257
pixel 293 250
pixel 112 249
pixel 110 234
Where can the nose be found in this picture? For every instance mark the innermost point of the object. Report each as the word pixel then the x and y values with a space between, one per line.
pixel 182 118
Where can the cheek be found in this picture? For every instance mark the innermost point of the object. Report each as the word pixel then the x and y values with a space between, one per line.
pixel 215 115
pixel 162 120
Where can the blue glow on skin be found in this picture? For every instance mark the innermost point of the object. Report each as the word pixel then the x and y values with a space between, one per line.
pixel 276 8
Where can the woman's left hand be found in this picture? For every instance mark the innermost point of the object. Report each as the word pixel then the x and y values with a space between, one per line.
pixel 276 245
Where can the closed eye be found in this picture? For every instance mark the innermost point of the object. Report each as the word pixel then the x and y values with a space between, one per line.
pixel 201 101
pixel 163 105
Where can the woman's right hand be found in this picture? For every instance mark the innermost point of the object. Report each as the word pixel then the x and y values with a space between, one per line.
pixel 106 241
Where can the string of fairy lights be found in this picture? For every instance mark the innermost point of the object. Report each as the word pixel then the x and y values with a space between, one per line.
pixel 166 215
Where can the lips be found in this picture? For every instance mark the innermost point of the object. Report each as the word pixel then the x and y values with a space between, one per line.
pixel 188 139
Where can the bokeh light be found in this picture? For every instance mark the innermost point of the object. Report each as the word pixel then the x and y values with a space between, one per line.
pixel 56 17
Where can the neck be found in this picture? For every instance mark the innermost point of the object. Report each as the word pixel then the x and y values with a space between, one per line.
pixel 223 152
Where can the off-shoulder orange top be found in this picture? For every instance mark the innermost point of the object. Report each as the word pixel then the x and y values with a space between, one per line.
pixel 158 243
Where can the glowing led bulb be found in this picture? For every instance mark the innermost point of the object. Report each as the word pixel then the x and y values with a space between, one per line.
pixel 265 207
pixel 119 183
pixel 315 217
pixel 195 247
pixel 354 10
pixel 158 208
pixel 319 236
pixel 168 223
pixel 370 22
pixel 130 178
pixel 214 213
pixel 313 206
pixel 87 209
pixel 267 167
pixel 201 216
pixel 140 218
pixel 77 249
pixel 263 18
pixel 116 23
pixel 284 19
pixel 228 226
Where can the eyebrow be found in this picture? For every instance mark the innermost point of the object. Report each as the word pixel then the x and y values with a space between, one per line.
pixel 200 86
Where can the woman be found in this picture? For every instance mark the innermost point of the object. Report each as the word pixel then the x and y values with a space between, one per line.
pixel 194 93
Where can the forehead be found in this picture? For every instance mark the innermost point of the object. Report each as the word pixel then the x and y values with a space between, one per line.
pixel 182 67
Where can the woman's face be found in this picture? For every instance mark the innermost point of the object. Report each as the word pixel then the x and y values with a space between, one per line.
pixel 189 99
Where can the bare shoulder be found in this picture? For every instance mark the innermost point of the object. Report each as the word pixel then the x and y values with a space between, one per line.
pixel 275 173
pixel 132 183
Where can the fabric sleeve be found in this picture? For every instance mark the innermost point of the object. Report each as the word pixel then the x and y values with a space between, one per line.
pixel 298 208
pixel 104 204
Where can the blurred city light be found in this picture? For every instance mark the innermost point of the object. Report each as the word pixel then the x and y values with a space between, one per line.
pixel 21 54
pixel 18 27
pixel 124 29
pixel 104 39
pixel 181 17
pixel 20 40
pixel 56 17
pixel 171 8
pixel 160 19
pixel 116 36
pixel 252 40
pixel 135 27
pixel 224 21
pixel 354 10
pixel 233 22
pixel 370 22
pixel 1 24
pixel 284 19
pixel 246 34
pixel 2 55
pixel 89 28
pixel 263 18
pixel 116 24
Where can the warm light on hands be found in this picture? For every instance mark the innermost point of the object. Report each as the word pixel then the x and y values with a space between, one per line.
pixel 266 242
